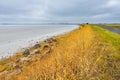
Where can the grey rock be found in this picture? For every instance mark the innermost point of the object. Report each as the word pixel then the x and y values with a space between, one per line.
pixel 46 46
pixel 36 52
pixel 37 46
pixel 26 52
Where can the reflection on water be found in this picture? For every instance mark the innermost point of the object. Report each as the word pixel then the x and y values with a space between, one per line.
pixel 113 29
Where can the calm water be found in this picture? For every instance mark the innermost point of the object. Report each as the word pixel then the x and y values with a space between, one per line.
pixel 15 37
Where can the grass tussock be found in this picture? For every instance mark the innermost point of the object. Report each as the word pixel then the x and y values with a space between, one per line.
pixel 87 53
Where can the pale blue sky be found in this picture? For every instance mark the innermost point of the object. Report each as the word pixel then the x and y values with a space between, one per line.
pixel 60 11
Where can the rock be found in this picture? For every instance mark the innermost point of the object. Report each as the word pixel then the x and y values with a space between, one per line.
pixel 36 51
pixel 52 40
pixel 46 46
pixel 26 52
pixel 37 46
pixel 49 40
pixel 16 66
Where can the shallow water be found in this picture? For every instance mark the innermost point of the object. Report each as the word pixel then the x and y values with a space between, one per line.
pixel 113 29
pixel 15 37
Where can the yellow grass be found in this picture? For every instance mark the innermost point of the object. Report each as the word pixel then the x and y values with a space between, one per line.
pixel 78 55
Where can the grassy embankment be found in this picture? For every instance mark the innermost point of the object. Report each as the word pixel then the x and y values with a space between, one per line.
pixel 83 54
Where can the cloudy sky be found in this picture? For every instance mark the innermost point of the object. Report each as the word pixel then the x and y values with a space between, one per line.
pixel 60 11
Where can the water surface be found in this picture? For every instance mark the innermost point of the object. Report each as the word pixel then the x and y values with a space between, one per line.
pixel 15 37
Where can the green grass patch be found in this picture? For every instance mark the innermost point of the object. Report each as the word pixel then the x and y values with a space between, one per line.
pixel 111 38
pixel 109 25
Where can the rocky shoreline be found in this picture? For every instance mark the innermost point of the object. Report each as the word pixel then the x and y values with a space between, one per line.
pixel 16 63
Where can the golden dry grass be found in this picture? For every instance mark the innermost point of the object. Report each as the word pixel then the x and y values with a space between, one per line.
pixel 78 55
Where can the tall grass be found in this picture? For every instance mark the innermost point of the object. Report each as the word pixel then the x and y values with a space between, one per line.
pixel 78 55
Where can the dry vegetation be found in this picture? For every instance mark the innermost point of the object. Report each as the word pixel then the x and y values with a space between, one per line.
pixel 83 54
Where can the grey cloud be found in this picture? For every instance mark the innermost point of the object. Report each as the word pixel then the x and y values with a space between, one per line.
pixel 59 10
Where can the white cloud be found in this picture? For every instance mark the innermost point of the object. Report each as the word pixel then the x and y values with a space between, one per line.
pixel 112 3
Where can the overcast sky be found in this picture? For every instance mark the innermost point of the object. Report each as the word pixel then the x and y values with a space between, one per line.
pixel 60 11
